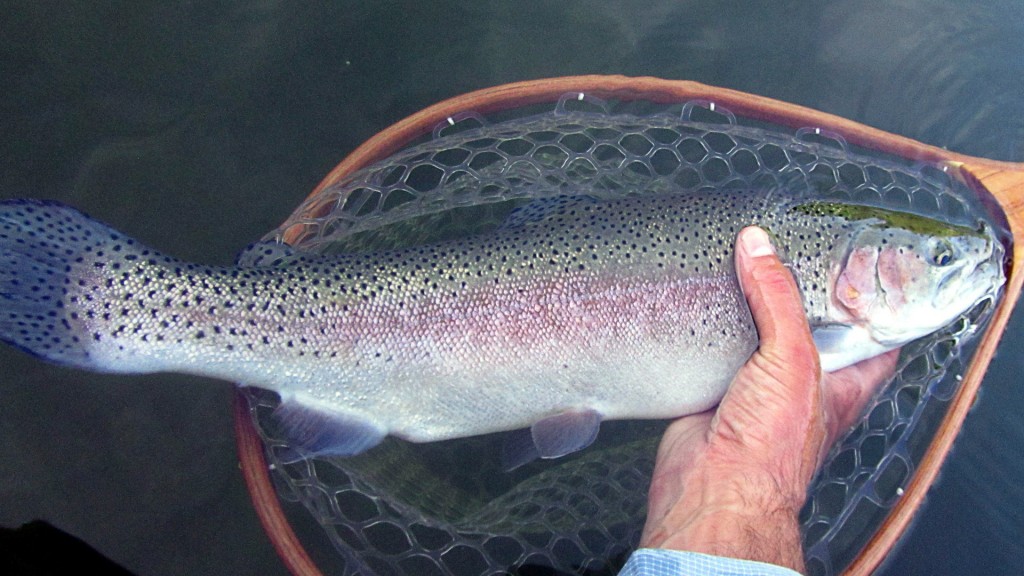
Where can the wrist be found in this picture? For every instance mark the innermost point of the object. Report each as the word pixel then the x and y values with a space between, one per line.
pixel 755 521
pixel 772 537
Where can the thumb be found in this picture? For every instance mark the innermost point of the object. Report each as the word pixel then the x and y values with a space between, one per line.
pixel 775 303
pixel 777 309
pixel 775 401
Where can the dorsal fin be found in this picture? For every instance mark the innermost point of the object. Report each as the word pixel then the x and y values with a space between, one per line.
pixel 264 253
pixel 541 209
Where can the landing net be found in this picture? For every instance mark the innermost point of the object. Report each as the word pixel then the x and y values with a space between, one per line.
pixel 447 507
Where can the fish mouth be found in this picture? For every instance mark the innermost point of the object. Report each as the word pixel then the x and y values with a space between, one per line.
pixel 969 283
pixel 973 280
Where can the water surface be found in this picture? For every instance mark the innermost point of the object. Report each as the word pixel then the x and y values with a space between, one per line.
pixel 198 126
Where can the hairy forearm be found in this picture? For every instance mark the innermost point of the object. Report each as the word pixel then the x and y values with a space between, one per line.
pixel 770 536
pixel 723 510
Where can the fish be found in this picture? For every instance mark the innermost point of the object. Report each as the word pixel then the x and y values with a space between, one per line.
pixel 575 310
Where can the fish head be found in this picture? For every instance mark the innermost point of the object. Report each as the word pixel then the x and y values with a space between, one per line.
pixel 904 276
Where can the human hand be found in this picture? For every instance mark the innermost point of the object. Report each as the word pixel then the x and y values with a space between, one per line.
pixel 731 482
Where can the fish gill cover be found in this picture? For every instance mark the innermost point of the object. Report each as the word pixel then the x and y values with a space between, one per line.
pixel 448 507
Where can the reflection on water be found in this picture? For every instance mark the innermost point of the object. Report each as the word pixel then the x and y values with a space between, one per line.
pixel 198 126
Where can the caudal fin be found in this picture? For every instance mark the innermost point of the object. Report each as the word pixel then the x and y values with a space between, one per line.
pixel 47 252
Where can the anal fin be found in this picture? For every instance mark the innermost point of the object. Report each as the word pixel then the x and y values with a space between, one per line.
pixel 313 431
pixel 551 437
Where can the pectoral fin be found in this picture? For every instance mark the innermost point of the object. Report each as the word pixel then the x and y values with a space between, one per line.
pixel 313 431
pixel 551 437
pixel 842 345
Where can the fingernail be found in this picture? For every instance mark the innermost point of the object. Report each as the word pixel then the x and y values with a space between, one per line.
pixel 755 242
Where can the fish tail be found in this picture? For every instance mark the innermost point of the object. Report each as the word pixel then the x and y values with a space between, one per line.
pixel 47 252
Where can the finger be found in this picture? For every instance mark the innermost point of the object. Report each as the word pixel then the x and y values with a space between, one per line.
pixel 775 304
pixel 848 391
pixel 776 396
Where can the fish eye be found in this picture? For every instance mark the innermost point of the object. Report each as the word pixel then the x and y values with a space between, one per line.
pixel 942 254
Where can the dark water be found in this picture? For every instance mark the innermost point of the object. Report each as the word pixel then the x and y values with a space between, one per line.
pixel 198 126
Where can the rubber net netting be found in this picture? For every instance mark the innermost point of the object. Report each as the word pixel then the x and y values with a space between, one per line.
pixel 448 507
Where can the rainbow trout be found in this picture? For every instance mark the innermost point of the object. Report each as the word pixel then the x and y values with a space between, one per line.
pixel 574 311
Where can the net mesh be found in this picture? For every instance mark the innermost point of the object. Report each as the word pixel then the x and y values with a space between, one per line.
pixel 447 507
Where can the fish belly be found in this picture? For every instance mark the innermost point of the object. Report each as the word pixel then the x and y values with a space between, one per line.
pixel 505 357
